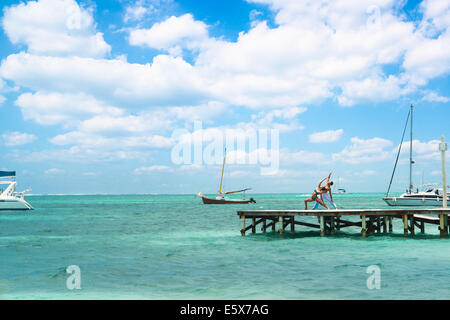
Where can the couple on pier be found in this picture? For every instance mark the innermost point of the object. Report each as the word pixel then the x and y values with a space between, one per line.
pixel 321 193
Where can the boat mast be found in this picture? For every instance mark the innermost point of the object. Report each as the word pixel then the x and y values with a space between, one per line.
pixel 221 177
pixel 410 153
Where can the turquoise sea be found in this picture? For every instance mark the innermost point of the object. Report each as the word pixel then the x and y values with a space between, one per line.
pixel 174 247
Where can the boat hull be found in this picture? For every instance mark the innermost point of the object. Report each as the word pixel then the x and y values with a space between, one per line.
pixel 412 202
pixel 14 204
pixel 226 201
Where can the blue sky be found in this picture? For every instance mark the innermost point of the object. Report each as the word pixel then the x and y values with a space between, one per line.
pixel 91 92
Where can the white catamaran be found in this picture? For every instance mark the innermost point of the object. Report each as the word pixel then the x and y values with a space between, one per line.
pixel 9 198
pixel 428 197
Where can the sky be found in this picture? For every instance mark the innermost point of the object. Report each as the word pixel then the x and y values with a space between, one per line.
pixel 100 96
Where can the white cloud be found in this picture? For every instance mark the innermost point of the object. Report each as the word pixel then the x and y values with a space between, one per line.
pixel 283 120
pixel 167 81
pixel 15 138
pixel 172 34
pixel 316 50
pixel 92 140
pixel 137 11
pixel 364 151
pixel 58 108
pixel 434 97
pixel 326 136
pixel 304 157
pixel 371 89
pixel 54 171
pixel 78 154
pixel 2 100
pixel 57 27
pixel 436 173
pixel 436 16
pixel 366 173
pixel 428 150
pixel 154 168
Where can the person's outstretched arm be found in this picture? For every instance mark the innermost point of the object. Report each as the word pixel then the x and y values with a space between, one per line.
pixel 321 182
pixel 328 178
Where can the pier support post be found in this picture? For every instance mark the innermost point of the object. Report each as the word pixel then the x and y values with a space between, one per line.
pixel 413 225
pixel 292 225
pixel 384 224
pixel 280 224
pixel 405 225
pixel 422 227
pixel 332 231
pixel 273 224
pixel 338 223
pixel 371 225
pixel 443 225
pixel 242 225
pixel 264 225
pixel 253 225
pixel 363 225
pixel 390 224
pixel 322 226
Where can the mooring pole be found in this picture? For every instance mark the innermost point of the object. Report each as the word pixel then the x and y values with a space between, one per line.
pixel 243 225
pixel 363 225
pixel 322 225
pixel 405 224
pixel 280 224
pixel 443 217
pixel 443 148
pixel 410 152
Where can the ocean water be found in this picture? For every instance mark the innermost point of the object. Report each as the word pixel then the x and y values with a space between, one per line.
pixel 174 247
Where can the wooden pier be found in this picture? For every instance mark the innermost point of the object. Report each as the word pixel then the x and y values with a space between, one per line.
pixel 370 220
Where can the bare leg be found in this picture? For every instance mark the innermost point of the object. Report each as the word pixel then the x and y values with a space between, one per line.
pixel 306 202
pixel 322 203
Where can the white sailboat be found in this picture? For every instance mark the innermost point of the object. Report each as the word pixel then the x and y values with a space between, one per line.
pixel 339 189
pixel 9 198
pixel 428 197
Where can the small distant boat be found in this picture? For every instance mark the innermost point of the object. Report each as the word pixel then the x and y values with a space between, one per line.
pixel 339 190
pixel 221 199
pixel 429 197
pixel 9 199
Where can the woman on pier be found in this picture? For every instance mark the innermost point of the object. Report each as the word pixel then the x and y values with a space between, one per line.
pixel 319 191
pixel 328 196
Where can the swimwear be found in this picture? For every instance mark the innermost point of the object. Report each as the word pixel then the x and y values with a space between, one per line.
pixel 325 196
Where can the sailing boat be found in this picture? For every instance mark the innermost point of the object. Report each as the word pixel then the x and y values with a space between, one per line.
pixel 221 199
pixel 9 198
pixel 430 197
pixel 339 189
